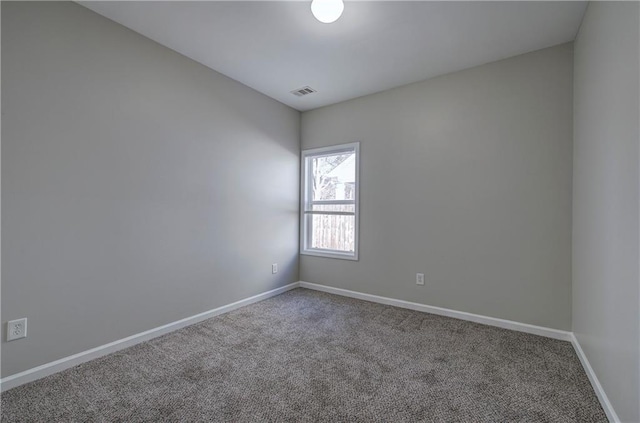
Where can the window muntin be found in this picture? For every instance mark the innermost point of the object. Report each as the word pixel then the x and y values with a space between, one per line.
pixel 329 211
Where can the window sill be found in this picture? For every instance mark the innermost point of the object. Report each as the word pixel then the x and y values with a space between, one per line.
pixel 330 254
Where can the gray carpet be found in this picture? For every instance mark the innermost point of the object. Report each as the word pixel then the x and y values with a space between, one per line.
pixel 307 356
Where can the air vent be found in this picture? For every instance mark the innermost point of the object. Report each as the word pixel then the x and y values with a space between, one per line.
pixel 300 92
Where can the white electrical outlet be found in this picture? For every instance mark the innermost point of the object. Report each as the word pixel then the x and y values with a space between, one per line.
pixel 16 329
pixel 419 278
pixel 274 268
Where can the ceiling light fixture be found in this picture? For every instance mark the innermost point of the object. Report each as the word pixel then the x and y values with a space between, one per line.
pixel 327 11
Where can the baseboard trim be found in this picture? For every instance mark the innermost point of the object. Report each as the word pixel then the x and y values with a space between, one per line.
pixel 477 318
pixel 73 360
pixel 602 396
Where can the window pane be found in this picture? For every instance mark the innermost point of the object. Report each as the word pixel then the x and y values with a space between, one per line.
pixel 333 177
pixel 334 207
pixel 332 232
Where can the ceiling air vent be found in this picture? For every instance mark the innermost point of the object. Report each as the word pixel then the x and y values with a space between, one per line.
pixel 300 92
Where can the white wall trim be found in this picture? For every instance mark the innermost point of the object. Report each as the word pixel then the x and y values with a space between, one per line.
pixel 477 318
pixel 73 360
pixel 602 396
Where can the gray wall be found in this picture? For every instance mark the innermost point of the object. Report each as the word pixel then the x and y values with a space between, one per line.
pixel 467 178
pixel 605 200
pixel 138 187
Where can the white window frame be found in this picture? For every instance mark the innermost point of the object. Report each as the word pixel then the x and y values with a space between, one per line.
pixel 306 203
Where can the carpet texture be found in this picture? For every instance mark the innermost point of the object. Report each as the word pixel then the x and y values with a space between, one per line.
pixel 307 356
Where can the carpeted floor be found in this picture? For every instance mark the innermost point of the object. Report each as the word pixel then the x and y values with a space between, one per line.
pixel 307 356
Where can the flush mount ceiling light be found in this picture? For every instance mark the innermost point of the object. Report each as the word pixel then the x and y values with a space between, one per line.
pixel 327 11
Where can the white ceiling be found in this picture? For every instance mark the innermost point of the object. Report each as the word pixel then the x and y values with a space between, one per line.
pixel 276 47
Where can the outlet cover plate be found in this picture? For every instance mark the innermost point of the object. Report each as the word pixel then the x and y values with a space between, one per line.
pixel 16 329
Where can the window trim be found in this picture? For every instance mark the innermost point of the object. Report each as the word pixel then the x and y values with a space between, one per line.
pixel 304 231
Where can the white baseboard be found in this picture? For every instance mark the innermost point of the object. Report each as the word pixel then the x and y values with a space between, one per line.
pixel 477 318
pixel 602 396
pixel 73 360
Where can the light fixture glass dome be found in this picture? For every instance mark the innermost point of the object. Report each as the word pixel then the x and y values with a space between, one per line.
pixel 327 11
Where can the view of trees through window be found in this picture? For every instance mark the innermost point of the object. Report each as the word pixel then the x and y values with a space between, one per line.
pixel 329 173
pixel 333 190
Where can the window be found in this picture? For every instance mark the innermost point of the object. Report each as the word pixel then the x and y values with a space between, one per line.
pixel 329 210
